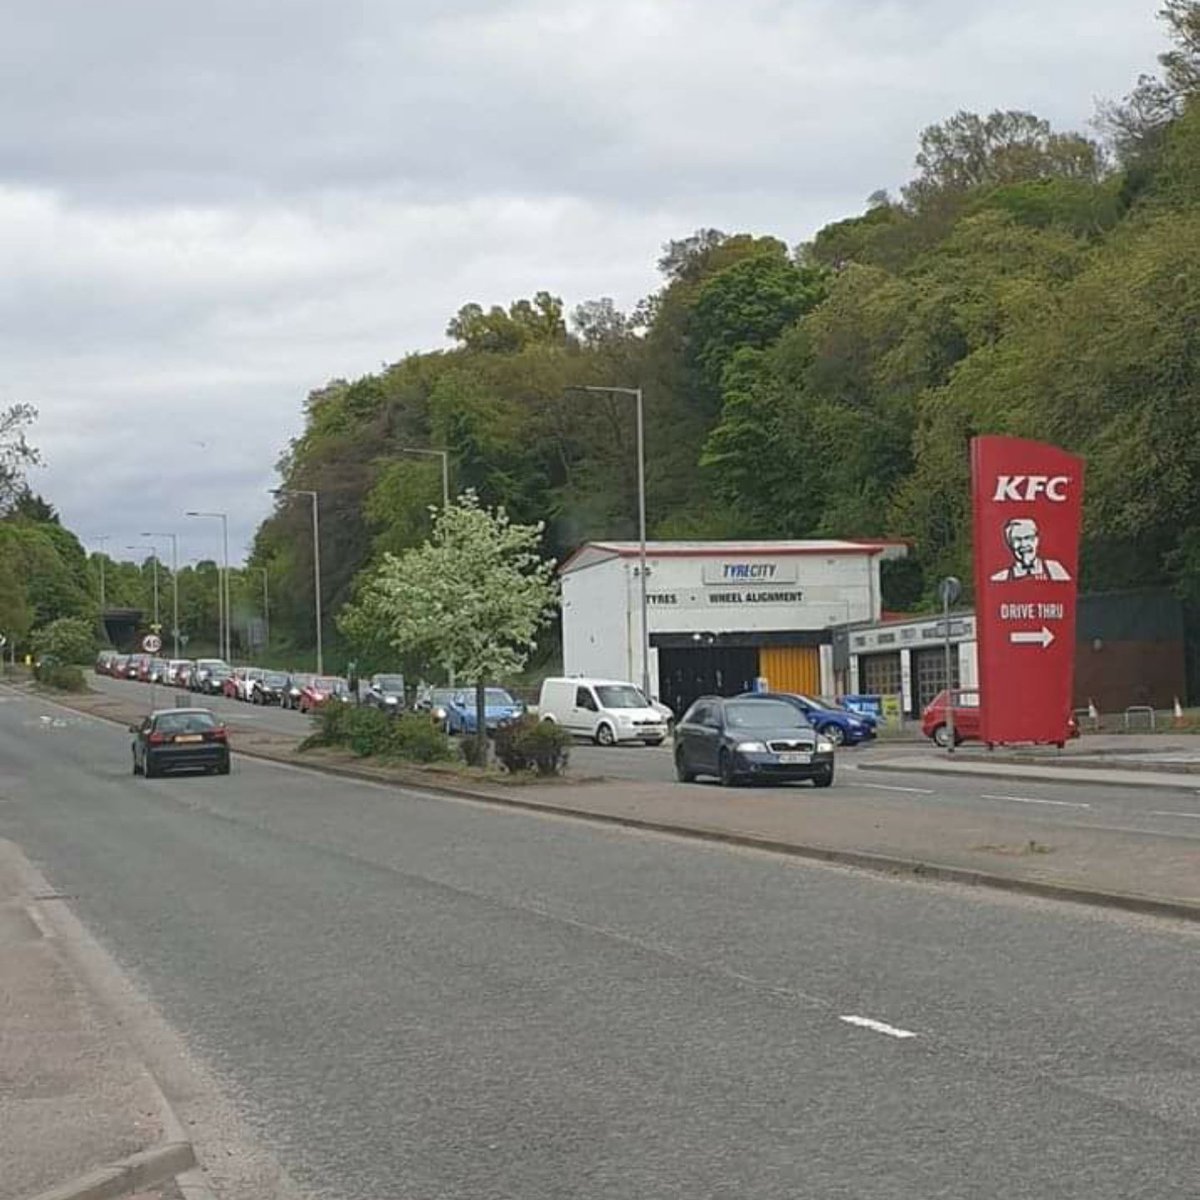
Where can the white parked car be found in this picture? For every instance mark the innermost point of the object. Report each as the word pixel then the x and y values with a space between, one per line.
pixel 607 711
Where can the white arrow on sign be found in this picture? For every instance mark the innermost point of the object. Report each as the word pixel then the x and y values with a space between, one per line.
pixel 1042 637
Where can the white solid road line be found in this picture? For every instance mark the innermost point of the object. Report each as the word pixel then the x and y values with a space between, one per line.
pixel 878 1026
pixel 1032 800
pixel 891 787
pixel 1194 816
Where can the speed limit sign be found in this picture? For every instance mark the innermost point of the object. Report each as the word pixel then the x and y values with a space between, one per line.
pixel 152 643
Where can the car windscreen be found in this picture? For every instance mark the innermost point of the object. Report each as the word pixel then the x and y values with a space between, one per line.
pixel 184 722
pixel 620 696
pixel 275 679
pixel 389 683
pixel 326 684
pixel 497 698
pixel 764 714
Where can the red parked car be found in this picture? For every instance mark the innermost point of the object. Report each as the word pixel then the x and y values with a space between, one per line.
pixel 966 718
pixel 320 690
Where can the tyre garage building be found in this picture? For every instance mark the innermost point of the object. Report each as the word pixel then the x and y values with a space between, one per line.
pixel 721 615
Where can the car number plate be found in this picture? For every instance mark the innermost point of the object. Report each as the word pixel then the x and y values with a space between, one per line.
pixel 189 737
pixel 793 759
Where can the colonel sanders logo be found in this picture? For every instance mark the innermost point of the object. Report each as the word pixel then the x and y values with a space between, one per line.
pixel 1022 538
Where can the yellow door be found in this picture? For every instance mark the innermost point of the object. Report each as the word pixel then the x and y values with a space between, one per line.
pixel 791 668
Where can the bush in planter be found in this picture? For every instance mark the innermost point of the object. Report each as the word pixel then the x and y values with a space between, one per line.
pixel 528 744
pixel 416 738
pixel 63 677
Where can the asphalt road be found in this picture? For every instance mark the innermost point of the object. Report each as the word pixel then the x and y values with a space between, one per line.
pixel 412 997
pixel 1140 810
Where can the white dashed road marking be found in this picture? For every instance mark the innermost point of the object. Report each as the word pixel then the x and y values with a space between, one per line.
pixel 878 1026
pixel 1194 816
pixel 1032 800
pixel 890 787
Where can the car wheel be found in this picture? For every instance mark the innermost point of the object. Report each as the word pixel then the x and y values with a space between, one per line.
pixel 136 769
pixel 149 769
pixel 223 768
pixel 941 737
pixel 605 735
pixel 725 770
pixel 824 779
pixel 655 742
pixel 835 733
pixel 681 770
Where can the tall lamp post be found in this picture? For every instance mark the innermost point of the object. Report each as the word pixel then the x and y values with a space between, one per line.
pixel 154 559
pixel 316 529
pixel 174 584
pixel 266 608
pixel 444 455
pixel 224 614
pixel 636 394
pixel 102 539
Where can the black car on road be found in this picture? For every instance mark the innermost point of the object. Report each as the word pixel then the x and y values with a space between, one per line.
pixel 741 740
pixel 180 739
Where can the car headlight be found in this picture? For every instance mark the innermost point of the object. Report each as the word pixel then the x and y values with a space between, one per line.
pixel 624 719
pixel 824 746
pixel 390 700
pixel 751 748
pixel 439 714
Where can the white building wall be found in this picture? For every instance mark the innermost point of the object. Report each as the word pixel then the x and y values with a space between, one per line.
pixel 597 622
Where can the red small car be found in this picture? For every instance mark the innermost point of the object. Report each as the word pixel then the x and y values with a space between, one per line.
pixel 320 690
pixel 966 718
pixel 229 685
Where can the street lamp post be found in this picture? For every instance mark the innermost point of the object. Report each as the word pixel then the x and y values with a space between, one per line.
pixel 316 529
pixel 636 393
pixel 224 614
pixel 154 559
pixel 444 455
pixel 102 538
pixel 174 584
pixel 266 608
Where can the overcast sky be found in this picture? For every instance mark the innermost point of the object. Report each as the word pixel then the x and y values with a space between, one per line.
pixel 207 209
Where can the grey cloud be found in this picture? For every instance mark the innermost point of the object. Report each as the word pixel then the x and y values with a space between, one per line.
pixel 208 209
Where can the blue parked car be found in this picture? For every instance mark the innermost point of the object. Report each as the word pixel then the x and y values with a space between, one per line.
pixel 841 726
pixel 499 707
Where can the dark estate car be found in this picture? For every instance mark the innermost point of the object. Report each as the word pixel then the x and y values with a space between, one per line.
pixel 180 739
pixel 740 740
pixel 270 688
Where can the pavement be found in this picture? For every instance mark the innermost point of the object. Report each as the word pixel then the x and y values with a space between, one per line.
pixel 406 995
pixel 77 1105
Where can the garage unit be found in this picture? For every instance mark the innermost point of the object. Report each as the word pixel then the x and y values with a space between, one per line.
pixel 722 617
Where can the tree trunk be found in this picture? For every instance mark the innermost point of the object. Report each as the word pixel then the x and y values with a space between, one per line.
pixel 481 742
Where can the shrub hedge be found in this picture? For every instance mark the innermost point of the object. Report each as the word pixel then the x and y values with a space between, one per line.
pixel 532 745
pixel 370 733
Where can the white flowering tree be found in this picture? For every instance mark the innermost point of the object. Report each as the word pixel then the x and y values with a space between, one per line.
pixel 473 597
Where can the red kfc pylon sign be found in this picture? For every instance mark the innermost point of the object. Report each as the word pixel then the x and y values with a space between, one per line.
pixel 1028 500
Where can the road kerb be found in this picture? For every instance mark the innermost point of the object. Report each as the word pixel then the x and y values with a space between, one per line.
pixel 1053 775
pixel 130 1175
pixel 890 865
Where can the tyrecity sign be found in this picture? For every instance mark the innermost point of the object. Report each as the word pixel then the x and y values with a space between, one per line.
pixel 1027 499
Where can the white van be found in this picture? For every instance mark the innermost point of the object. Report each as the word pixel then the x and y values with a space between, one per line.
pixel 606 710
